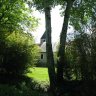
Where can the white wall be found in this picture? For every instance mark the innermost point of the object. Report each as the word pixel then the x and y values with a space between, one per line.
pixel 44 59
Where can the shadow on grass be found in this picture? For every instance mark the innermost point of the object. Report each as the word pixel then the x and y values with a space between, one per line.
pixel 16 85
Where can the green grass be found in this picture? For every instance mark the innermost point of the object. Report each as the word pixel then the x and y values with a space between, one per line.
pixel 39 74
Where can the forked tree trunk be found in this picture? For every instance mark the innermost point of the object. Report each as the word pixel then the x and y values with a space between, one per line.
pixel 50 58
pixel 61 53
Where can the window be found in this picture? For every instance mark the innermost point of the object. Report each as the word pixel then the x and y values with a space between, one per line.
pixel 41 56
pixel 44 40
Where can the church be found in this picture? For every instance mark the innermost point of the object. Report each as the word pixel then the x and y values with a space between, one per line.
pixel 43 58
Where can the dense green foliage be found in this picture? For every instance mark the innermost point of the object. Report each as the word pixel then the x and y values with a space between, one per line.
pixel 41 4
pixel 81 51
pixel 23 90
pixel 17 49
pixel 81 54
pixel 15 15
pixel 17 53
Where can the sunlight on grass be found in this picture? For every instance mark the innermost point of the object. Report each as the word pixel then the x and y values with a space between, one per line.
pixel 39 74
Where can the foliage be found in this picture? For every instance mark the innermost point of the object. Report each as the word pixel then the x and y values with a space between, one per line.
pixel 81 54
pixel 25 87
pixel 81 14
pixel 15 15
pixel 81 49
pixel 23 90
pixel 87 56
pixel 41 4
pixel 17 53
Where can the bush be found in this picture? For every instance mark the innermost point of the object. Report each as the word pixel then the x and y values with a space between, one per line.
pixel 25 88
pixel 17 53
pixel 6 90
pixel 81 54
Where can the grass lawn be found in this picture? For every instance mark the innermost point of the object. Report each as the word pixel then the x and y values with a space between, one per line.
pixel 39 74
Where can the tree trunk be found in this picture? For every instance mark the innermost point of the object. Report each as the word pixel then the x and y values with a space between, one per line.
pixel 50 58
pixel 61 53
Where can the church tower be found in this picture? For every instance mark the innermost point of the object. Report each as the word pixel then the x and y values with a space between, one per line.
pixel 43 38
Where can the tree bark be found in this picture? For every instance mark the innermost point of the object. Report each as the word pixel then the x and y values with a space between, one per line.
pixel 50 58
pixel 61 53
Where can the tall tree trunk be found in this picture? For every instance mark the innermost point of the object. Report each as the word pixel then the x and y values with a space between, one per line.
pixel 61 53
pixel 50 58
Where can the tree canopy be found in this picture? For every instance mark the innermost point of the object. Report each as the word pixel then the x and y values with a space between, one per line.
pixel 16 15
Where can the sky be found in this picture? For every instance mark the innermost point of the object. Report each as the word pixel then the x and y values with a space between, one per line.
pixel 56 22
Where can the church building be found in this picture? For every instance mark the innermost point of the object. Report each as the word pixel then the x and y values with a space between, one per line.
pixel 43 58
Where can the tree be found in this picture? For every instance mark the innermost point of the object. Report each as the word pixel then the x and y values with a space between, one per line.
pixel 46 7
pixel 61 53
pixel 80 12
pixel 82 21
pixel 82 15
pixel 50 58
pixel 14 16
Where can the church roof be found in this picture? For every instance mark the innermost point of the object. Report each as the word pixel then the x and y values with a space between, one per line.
pixel 44 36
pixel 43 45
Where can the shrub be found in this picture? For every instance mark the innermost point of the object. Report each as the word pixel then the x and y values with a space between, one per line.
pixel 6 90
pixel 18 52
